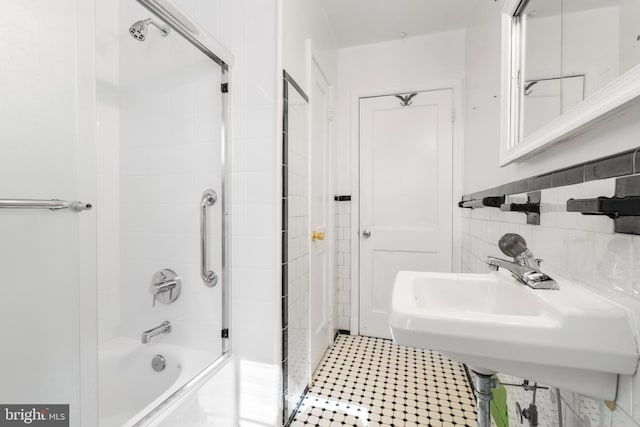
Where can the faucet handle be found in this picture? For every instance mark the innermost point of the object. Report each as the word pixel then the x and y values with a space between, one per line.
pixel 539 260
pixel 165 286
pixel 162 288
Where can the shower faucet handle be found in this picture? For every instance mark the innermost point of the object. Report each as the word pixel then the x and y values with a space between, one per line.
pixel 161 288
pixel 165 286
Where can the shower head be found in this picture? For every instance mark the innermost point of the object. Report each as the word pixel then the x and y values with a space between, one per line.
pixel 139 29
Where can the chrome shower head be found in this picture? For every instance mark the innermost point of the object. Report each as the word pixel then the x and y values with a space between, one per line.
pixel 512 244
pixel 139 29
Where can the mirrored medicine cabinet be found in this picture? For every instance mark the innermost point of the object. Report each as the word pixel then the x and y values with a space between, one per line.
pixel 567 66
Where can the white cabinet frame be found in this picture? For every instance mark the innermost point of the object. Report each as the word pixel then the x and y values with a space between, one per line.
pixel 611 101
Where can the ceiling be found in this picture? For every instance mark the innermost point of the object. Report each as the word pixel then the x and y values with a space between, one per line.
pixel 358 22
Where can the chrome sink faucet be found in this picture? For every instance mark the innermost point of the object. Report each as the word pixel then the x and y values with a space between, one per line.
pixel 163 328
pixel 524 267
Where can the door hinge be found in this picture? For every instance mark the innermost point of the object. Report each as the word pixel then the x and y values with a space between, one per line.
pixel 225 333
pixel 453 116
pixel 332 113
pixel 224 87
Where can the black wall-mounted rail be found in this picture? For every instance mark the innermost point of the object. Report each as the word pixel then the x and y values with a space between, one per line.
pixel 527 207
pixel 613 207
pixel 491 202
pixel 531 207
pixel 623 208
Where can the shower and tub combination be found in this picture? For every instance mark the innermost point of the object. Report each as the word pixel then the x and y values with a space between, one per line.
pixel 173 321
pixel 119 305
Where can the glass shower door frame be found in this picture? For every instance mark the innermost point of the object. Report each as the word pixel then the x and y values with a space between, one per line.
pixel 199 38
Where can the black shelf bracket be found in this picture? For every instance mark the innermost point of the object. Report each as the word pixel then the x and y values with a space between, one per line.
pixel 531 208
pixel 623 208
pixel 491 202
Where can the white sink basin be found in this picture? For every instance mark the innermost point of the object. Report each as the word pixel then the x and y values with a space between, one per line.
pixel 570 338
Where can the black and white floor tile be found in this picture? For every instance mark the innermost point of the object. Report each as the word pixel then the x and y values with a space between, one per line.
pixel 372 382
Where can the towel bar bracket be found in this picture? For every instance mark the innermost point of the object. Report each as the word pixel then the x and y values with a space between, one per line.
pixel 623 208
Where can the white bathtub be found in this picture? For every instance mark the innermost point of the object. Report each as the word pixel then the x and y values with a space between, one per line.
pixel 129 388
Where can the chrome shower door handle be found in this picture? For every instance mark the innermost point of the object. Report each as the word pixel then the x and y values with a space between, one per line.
pixel 366 233
pixel 209 198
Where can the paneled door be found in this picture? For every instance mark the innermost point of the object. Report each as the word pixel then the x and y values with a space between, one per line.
pixel 406 201
pixel 320 199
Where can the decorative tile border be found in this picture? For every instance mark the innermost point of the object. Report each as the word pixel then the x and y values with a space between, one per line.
pixel 342 276
pixel 624 163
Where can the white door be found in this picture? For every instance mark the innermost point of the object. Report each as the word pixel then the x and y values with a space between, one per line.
pixel 406 201
pixel 320 198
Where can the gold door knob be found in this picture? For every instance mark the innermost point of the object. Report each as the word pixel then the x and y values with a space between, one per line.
pixel 317 235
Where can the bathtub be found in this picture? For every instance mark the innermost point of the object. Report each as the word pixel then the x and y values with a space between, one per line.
pixel 129 388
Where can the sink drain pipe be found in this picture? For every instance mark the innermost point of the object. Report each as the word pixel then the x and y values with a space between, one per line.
pixel 482 388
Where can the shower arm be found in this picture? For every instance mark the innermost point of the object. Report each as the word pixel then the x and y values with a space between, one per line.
pixel 163 28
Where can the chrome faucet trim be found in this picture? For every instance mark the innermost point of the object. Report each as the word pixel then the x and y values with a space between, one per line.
pixel 161 288
pixel 163 328
pixel 524 266
pixel 165 286
pixel 535 279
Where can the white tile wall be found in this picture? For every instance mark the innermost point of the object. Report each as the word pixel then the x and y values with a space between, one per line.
pixel 170 152
pixel 247 27
pixel 343 264
pixel 582 248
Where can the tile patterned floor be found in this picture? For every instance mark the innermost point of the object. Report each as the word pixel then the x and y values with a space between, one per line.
pixel 372 382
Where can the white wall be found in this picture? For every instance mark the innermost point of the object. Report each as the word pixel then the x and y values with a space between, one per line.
pixel 584 249
pixel 406 64
pixel 304 20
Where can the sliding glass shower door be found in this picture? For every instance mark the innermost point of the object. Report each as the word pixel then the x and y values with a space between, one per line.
pixel 160 273
pixel 47 255
pixel 112 211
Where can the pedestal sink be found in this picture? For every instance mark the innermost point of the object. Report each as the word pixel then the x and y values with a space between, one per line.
pixel 570 338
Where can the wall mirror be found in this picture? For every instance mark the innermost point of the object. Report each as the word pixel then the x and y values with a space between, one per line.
pixel 567 66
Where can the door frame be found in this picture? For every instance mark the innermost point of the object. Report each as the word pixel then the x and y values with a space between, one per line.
pixel 313 59
pixel 456 87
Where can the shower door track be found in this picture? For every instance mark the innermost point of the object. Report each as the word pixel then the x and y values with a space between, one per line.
pixel 208 45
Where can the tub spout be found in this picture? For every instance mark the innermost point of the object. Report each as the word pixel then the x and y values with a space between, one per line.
pixel 163 328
